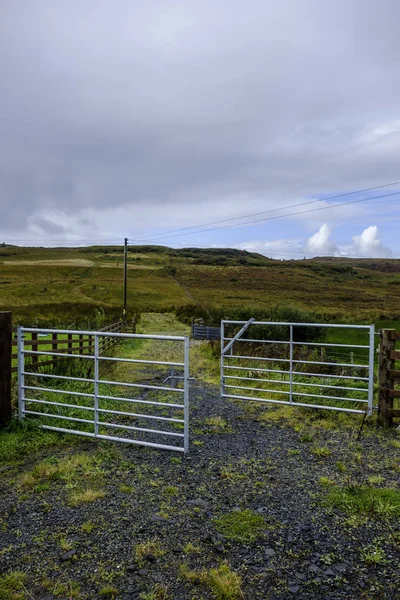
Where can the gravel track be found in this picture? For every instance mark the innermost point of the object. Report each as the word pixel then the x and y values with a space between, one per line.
pixel 304 549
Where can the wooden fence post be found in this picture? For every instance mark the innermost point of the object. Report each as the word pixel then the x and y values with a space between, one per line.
pixel 386 383
pixel 34 338
pixel 5 366
pixel 54 347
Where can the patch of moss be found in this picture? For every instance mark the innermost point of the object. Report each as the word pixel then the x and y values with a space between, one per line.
pixel 12 586
pixel 366 500
pixel 240 526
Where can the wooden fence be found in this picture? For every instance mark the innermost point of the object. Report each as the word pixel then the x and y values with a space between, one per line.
pixel 389 377
pixel 67 344
pixel 57 343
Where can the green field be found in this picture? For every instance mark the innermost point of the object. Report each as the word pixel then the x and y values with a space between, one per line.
pixel 56 286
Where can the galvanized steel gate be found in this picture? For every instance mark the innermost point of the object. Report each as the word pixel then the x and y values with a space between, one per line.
pixel 96 404
pixel 284 369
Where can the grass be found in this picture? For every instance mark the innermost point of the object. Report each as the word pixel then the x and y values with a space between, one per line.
pixel 88 526
pixel 12 586
pixel 108 591
pixel 373 555
pixel 159 592
pixel 21 441
pixel 86 497
pixel 217 424
pixel 321 451
pixel 224 583
pixel 240 526
pixel 149 550
pixel 52 286
pixel 365 500
pixel 69 469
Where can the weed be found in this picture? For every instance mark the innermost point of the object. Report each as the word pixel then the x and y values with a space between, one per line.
pixel 126 489
pixel 217 424
pixel 395 444
pixel 375 479
pixel 69 589
pixel 12 586
pixel 88 527
pixel 86 496
pixel 373 555
pixel 325 481
pixel 191 548
pixel 66 544
pixel 341 467
pixel 149 550
pixel 364 500
pixel 159 592
pixel 224 583
pixel 355 521
pixel 293 452
pixel 229 475
pixel 70 469
pixel 306 437
pixel 171 490
pixel 241 526
pixel 197 443
pixel 108 591
pixel 321 451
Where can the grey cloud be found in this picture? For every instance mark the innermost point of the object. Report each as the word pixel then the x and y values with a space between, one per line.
pixel 126 103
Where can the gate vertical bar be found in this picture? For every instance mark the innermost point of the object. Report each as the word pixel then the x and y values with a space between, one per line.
pixel 371 369
pixel 186 398
pixel 21 376
pixel 96 384
pixel 291 365
pixel 222 382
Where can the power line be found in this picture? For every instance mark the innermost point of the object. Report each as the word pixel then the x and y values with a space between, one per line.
pixel 301 212
pixel 161 234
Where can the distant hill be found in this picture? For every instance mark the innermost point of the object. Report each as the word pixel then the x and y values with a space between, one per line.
pixel 39 284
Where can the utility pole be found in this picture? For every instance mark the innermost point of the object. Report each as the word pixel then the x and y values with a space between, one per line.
pixel 125 275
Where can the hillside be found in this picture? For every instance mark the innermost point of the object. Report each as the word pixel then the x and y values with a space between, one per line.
pixel 40 284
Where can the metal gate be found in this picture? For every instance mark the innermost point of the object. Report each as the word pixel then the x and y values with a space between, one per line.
pixel 95 389
pixel 298 364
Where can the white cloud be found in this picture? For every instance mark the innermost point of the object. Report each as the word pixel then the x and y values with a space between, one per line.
pixel 320 243
pixel 368 244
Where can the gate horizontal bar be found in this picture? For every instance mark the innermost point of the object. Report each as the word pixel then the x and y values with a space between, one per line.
pixel 266 400
pixel 298 343
pixel 58 354
pixel 128 414
pixel 240 387
pixel 249 389
pixel 52 416
pixel 113 439
pixel 142 385
pixel 42 389
pixel 312 362
pixel 258 358
pixel 305 362
pixel 134 401
pixel 287 382
pixel 143 362
pixel 144 429
pixel 299 373
pixel 331 325
pixel 60 404
pixel 58 376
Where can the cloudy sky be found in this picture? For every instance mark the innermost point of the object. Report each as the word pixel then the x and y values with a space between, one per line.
pixel 128 118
